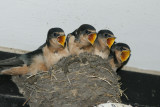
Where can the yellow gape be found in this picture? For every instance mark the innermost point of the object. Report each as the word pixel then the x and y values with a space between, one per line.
pixel 61 40
pixel 110 41
pixel 92 37
pixel 125 55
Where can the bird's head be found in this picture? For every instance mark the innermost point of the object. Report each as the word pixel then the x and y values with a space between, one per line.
pixel 56 38
pixel 121 52
pixel 86 34
pixel 106 38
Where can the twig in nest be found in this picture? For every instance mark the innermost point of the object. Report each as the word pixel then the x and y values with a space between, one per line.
pixel 55 77
pixel 122 93
pixel 51 74
pixel 51 70
pixel 108 70
pixel 104 79
pixel 126 96
pixel 120 83
pixel 68 80
pixel 28 99
pixel 30 76
pixel 79 73
pixel 116 100
pixel 38 73
pixel 109 95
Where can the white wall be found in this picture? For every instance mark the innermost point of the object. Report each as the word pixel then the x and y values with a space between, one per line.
pixel 25 23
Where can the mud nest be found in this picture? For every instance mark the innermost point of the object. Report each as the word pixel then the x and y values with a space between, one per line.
pixel 76 81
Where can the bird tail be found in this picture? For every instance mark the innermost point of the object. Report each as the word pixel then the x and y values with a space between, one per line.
pixel 14 61
pixel 9 63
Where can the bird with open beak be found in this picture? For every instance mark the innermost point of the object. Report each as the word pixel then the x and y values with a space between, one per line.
pixel 82 39
pixel 39 60
pixel 103 43
pixel 119 55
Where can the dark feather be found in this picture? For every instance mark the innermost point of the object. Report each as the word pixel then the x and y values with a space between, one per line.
pixel 42 46
pixel 20 60
pixel 14 61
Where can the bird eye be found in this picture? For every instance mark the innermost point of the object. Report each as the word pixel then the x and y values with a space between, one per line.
pixel 121 48
pixel 107 35
pixel 54 34
pixel 88 32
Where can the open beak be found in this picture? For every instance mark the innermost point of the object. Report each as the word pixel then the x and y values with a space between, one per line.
pixel 125 55
pixel 110 41
pixel 92 37
pixel 61 40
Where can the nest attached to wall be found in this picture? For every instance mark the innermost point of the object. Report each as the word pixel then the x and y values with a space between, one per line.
pixel 75 81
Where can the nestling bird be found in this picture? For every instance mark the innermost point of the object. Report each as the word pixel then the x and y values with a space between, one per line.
pixel 41 59
pixel 103 43
pixel 119 55
pixel 82 39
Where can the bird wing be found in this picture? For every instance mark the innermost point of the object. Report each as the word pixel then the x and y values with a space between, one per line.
pixel 68 36
pixel 14 61
pixel 75 33
pixel 42 46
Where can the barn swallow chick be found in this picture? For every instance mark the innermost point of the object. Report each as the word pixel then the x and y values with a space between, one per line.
pixel 40 59
pixel 103 43
pixel 119 55
pixel 82 39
